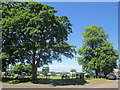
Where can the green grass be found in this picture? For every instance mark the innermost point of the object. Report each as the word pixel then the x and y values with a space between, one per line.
pixel 52 77
pixel 4 82
pixel 27 80
pixel 19 83
pixel 27 83
pixel 96 80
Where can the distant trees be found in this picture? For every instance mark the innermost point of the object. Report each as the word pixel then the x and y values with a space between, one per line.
pixel 73 70
pixel 45 70
pixel 33 34
pixel 97 53
pixel 53 73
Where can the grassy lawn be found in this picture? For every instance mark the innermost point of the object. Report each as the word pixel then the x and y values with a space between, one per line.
pixel 53 77
pixel 27 79
pixel 41 80
pixel 26 83
pixel 96 80
pixel 19 83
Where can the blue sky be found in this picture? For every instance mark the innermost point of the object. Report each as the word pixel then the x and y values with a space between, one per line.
pixel 73 0
pixel 81 15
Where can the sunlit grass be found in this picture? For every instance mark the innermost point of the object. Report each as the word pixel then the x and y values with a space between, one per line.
pixel 53 77
pixel 96 80
pixel 26 83
pixel 56 77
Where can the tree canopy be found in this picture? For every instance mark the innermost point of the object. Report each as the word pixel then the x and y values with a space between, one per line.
pixel 97 53
pixel 33 34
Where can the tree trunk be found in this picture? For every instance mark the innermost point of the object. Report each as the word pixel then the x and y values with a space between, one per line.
pixel 34 72
pixel 105 75
pixel 96 72
pixel 34 67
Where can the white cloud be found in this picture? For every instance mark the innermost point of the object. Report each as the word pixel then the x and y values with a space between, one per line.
pixel 60 65
pixel 64 68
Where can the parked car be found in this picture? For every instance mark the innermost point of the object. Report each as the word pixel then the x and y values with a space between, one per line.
pixel 111 76
pixel 99 75
pixel 87 76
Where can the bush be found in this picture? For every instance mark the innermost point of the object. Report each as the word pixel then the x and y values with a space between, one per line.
pixel 14 82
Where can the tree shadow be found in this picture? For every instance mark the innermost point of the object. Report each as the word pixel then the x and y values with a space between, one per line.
pixel 68 82
pixel 54 82
pixel 8 79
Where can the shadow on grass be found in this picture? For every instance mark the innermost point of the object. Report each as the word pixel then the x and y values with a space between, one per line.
pixel 7 80
pixel 68 82
pixel 54 82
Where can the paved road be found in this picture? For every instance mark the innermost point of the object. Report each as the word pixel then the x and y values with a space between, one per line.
pixel 108 84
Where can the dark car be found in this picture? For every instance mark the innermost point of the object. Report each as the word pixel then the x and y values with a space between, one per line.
pixel 99 76
pixel 87 76
pixel 111 77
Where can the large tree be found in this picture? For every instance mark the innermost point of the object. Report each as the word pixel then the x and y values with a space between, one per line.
pixel 97 53
pixel 33 34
